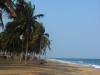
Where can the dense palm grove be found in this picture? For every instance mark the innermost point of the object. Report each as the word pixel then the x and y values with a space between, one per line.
pixel 23 35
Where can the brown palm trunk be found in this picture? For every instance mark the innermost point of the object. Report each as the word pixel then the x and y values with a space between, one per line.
pixel 10 6
pixel 40 54
pixel 26 51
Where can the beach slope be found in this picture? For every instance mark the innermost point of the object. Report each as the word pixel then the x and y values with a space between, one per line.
pixel 50 68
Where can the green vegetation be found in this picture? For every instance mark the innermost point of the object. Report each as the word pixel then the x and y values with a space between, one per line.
pixel 24 36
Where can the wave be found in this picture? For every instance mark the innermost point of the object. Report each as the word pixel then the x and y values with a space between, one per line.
pixel 81 63
pixel 95 66
pixel 61 61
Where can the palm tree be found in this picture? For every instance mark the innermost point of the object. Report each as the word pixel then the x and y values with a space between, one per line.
pixel 25 33
pixel 6 5
pixel 25 22
pixel 40 40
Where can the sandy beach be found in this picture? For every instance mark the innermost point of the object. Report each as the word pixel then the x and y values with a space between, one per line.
pixel 50 68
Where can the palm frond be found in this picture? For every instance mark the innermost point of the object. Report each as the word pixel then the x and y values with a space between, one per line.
pixel 38 16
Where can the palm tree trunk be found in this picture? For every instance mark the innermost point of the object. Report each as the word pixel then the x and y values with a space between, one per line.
pixel 26 51
pixel 45 56
pixel 21 54
pixel 10 7
pixel 33 55
pixel 40 54
pixel 1 21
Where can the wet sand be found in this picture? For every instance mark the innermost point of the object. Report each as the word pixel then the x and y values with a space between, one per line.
pixel 50 68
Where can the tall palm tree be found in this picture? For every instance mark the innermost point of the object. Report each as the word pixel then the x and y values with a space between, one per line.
pixel 25 33
pixel 25 21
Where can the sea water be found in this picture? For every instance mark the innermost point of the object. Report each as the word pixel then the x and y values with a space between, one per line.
pixel 85 62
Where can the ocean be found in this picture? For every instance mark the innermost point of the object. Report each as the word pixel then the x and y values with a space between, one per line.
pixel 95 63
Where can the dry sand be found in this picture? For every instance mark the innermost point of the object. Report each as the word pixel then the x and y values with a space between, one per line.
pixel 51 68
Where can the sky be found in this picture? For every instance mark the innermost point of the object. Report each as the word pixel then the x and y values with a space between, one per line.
pixel 73 25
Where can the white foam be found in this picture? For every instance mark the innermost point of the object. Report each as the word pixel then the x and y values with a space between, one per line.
pixel 95 66
pixel 62 61
pixel 81 63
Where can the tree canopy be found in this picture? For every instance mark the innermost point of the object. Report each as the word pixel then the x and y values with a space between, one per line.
pixel 24 34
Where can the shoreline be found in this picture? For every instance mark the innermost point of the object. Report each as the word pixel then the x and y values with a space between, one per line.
pixel 50 68
pixel 78 64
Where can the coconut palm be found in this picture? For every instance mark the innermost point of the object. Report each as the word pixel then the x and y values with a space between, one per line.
pixel 25 22
pixel 40 40
pixel 6 5
pixel 25 33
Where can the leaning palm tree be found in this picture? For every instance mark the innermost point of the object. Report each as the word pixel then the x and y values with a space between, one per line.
pixel 6 5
